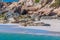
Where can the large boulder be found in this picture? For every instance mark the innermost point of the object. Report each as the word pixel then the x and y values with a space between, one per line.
pixel 12 5
pixel 57 10
pixel 45 11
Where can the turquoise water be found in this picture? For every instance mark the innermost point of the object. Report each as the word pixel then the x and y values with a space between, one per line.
pixel 9 36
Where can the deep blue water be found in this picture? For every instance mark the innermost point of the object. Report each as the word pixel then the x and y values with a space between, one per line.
pixel 9 0
pixel 7 36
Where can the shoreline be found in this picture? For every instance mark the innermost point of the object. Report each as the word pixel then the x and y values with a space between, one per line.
pixel 30 31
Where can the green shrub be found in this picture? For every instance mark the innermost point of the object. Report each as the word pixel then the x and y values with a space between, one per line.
pixel 37 1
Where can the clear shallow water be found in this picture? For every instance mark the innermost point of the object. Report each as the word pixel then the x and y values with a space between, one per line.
pixel 9 36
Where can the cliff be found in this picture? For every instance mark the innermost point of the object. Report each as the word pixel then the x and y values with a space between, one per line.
pixel 44 7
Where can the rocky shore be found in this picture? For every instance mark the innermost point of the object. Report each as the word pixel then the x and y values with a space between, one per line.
pixel 26 12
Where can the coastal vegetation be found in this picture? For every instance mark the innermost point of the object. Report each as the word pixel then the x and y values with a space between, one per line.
pixel 37 1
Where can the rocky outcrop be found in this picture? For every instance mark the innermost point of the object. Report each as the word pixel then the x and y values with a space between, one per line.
pixel 57 11
pixel 43 7
pixel 34 10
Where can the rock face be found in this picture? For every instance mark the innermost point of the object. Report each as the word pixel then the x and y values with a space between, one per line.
pixel 12 5
pixel 34 10
pixel 29 3
pixel 43 2
pixel 57 10
pixel 42 8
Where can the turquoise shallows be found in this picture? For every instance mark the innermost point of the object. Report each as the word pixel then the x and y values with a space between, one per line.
pixel 8 36
pixel 9 0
